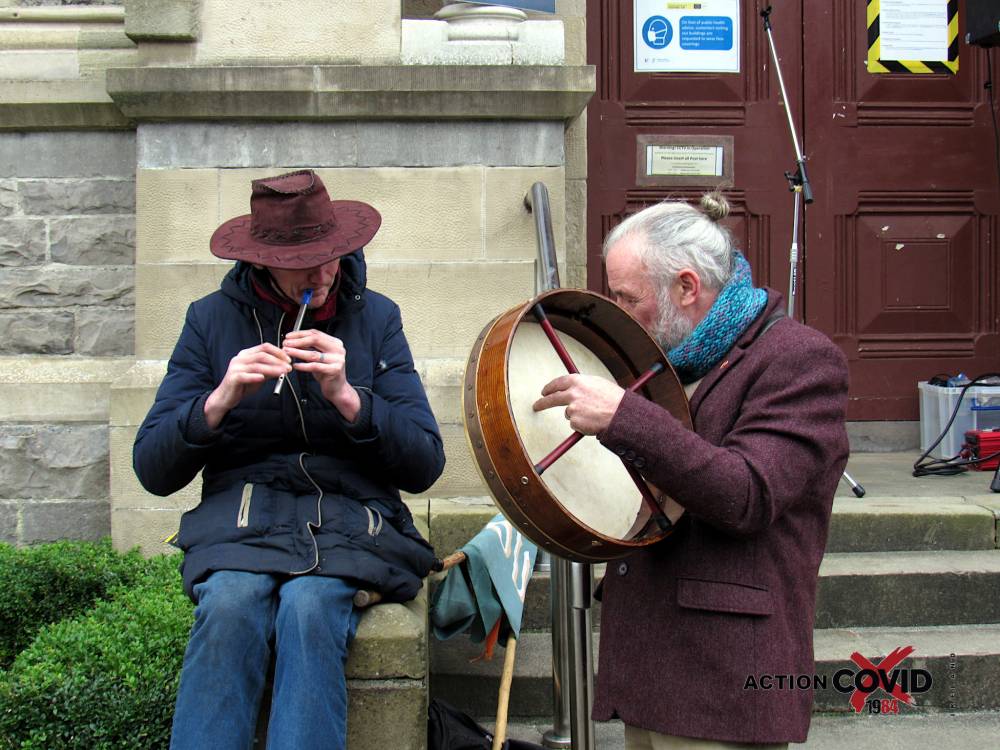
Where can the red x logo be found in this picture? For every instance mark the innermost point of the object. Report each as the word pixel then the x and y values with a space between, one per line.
pixel 882 669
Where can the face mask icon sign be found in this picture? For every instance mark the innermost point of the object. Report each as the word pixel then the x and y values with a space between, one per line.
pixel 657 32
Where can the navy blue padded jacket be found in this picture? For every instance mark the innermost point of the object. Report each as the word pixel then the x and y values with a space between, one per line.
pixel 290 487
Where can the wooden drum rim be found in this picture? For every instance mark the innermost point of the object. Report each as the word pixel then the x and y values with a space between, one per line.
pixel 496 444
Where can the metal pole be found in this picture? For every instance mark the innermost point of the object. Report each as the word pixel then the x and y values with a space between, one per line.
pixel 793 257
pixel 581 657
pixel 560 736
pixel 571 583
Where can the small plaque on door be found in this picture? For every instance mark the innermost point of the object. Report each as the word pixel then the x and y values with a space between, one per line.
pixel 684 160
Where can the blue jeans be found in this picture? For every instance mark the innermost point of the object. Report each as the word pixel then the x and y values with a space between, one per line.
pixel 311 621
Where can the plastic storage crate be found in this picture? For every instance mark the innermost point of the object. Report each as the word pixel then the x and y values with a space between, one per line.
pixel 980 410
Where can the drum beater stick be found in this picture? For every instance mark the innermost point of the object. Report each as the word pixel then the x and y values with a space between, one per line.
pixel 306 297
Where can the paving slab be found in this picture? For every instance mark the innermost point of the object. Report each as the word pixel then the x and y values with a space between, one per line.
pixel 908 588
pixel 957 731
pixel 897 524
pixel 896 589
pixel 963 661
pixel 886 475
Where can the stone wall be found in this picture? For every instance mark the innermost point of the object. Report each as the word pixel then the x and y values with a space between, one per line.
pixel 67 243
pixel 67 254
pixel 55 479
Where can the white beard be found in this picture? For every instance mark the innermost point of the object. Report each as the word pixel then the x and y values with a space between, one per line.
pixel 671 327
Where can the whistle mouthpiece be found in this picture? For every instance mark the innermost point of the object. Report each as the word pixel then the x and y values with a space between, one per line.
pixel 306 296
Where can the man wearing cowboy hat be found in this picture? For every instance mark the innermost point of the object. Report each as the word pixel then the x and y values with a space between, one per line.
pixel 300 500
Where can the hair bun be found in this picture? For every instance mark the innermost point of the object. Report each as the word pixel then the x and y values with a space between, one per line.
pixel 714 206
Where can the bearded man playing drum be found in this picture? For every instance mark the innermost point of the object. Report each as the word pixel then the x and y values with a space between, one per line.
pixel 731 593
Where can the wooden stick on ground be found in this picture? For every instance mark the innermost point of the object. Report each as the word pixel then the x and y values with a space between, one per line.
pixel 503 701
pixel 364 598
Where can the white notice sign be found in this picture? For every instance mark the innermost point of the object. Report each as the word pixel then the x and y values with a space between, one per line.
pixel 684 160
pixel 682 37
pixel 914 30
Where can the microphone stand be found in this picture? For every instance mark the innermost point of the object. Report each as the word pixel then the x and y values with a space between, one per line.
pixel 798 184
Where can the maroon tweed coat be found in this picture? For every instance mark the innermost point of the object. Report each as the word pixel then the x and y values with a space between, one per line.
pixel 731 594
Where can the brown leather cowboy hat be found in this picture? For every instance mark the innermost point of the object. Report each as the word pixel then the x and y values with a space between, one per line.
pixel 293 224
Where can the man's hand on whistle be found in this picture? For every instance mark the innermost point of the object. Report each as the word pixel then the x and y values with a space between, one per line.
pixel 326 358
pixel 590 401
pixel 246 373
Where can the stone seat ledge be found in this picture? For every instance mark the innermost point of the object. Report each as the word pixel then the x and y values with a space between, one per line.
pixel 391 642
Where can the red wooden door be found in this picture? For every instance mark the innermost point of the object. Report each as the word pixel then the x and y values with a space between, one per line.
pixel 897 261
pixel 902 267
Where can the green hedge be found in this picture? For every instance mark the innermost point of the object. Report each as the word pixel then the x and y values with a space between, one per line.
pixel 107 679
pixel 50 582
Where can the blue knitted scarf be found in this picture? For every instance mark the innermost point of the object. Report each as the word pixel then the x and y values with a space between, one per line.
pixel 737 306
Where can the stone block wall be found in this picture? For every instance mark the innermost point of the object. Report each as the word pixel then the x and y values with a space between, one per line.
pixel 54 468
pixel 67 254
pixel 67 312
pixel 67 243
pixel 55 481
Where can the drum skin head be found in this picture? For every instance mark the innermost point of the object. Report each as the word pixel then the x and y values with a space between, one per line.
pixel 584 507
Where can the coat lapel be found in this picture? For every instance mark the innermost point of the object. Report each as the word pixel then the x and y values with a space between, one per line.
pixel 713 376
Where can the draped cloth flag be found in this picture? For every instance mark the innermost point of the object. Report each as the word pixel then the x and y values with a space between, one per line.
pixel 484 595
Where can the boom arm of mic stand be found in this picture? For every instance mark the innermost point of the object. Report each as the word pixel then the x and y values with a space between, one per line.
pixel 800 179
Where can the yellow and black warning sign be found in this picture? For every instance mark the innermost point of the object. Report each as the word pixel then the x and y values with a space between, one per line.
pixel 912 36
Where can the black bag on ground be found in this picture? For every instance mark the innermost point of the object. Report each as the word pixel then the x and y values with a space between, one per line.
pixel 450 729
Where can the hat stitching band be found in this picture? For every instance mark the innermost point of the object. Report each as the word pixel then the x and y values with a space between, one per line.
pixel 291 237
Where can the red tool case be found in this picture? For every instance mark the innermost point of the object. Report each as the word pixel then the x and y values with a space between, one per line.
pixel 980 443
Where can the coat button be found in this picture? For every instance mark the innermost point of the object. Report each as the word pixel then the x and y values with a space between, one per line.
pixel 620 450
pixel 629 455
pixel 640 462
pixel 622 568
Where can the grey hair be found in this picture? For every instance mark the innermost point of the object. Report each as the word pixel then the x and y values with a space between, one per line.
pixel 678 236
